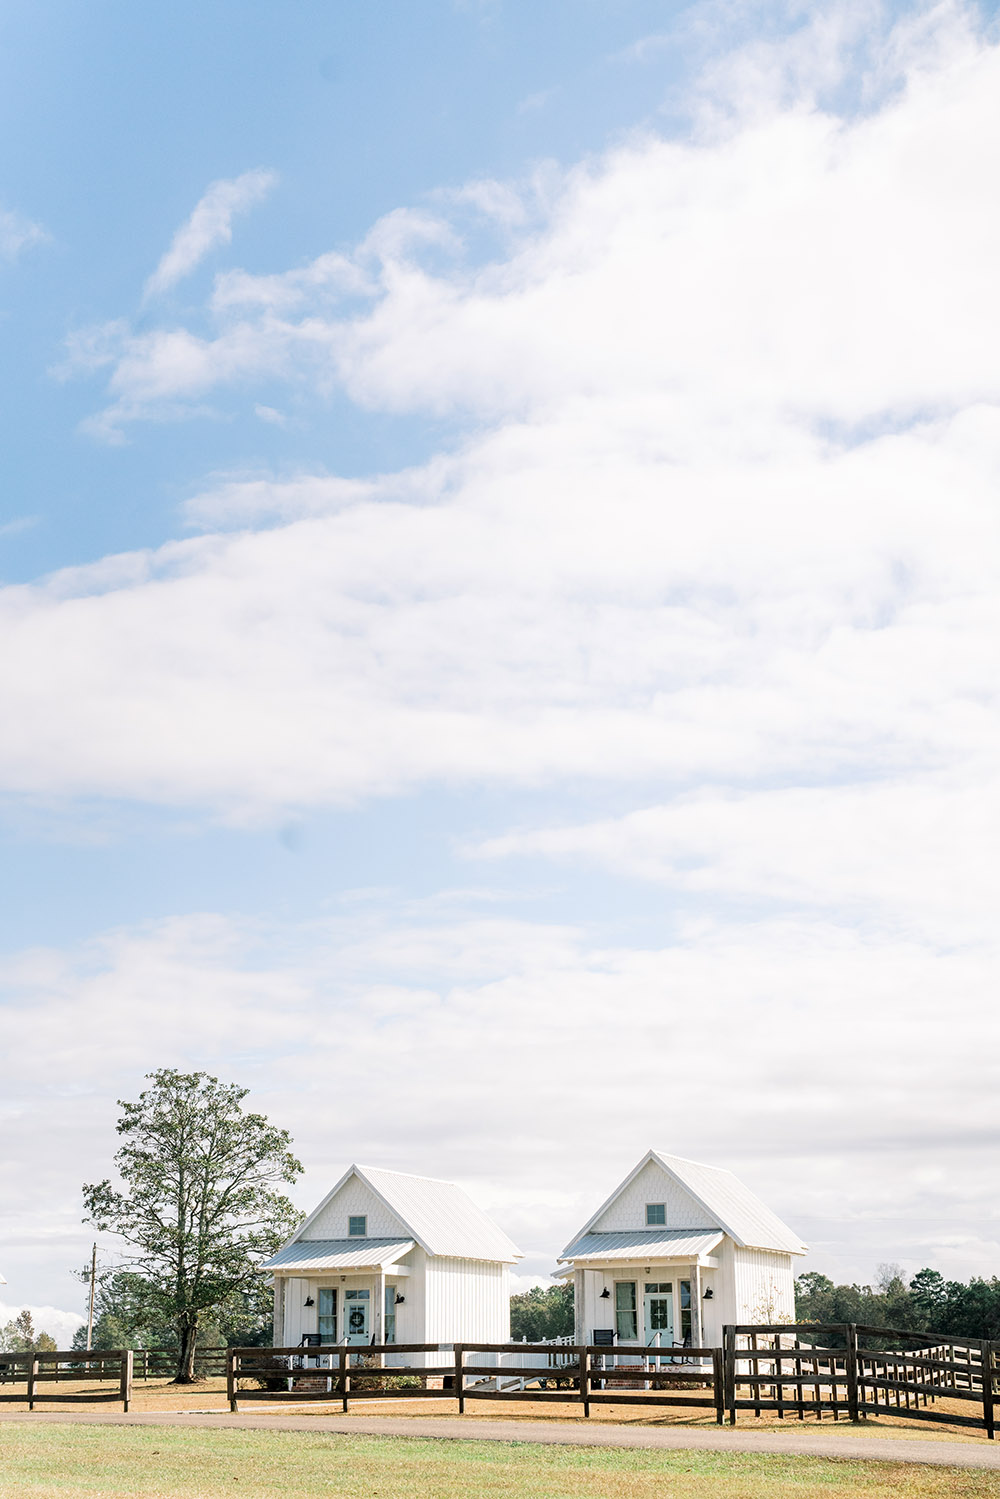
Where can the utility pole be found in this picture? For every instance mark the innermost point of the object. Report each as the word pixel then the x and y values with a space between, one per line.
pixel 90 1313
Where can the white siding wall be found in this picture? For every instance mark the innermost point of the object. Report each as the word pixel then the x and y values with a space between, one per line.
pixel 410 1317
pixel 355 1197
pixel 764 1286
pixel 297 1318
pixel 628 1211
pixel 467 1301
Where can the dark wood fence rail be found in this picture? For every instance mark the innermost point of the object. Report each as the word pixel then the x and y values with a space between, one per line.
pixel 848 1369
pixel 587 1375
pixel 38 1371
pixel 793 1369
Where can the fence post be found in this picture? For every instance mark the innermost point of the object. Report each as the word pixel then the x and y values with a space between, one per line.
pixel 232 1367
pixel 718 1383
pixel 460 1377
pixel 729 1378
pixel 989 1351
pixel 585 1379
pixel 32 1376
pixel 125 1382
pixel 851 1370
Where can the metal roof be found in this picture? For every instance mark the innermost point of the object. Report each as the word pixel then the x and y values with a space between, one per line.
pixel 739 1211
pixel 723 1197
pixel 440 1216
pixel 338 1254
pixel 650 1244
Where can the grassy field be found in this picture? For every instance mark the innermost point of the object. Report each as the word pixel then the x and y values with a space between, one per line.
pixel 150 1463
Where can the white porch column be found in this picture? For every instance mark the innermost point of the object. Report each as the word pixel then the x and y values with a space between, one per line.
pixel 278 1336
pixel 378 1322
pixel 696 1328
pixel 579 1307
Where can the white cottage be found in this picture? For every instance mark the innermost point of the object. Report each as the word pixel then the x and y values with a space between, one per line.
pixel 676 1252
pixel 389 1258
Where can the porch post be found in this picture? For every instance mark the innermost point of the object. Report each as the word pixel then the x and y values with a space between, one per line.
pixel 698 1331
pixel 379 1319
pixel 579 1308
pixel 278 1336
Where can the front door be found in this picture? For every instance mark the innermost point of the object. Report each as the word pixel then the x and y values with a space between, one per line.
pixel 658 1313
pixel 356 1304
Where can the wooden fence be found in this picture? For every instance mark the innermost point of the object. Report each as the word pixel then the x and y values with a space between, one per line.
pixel 583 1374
pixel 38 1371
pixel 853 1370
pixel 842 1370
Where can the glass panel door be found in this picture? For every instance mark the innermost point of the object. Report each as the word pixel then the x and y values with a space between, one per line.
pixel 356 1305
pixel 658 1313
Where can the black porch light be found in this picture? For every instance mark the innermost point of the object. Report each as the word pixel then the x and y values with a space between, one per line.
pixel 399 1299
pixel 708 1294
pixel 309 1301
pixel 605 1294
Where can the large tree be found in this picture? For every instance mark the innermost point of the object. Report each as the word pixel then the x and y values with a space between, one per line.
pixel 198 1204
pixel 542 1312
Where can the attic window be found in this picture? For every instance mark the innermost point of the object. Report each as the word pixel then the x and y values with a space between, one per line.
pixel 357 1227
pixel 656 1213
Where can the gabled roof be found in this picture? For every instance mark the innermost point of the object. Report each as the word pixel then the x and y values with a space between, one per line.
pixel 737 1211
pixel 438 1215
pixel 338 1254
pixel 641 1244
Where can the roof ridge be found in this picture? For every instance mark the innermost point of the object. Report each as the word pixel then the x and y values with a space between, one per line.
pixel 689 1161
pixel 413 1176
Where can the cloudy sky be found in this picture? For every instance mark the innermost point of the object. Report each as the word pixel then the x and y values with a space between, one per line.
pixel 499 604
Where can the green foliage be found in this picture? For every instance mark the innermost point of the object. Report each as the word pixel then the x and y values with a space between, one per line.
pixel 19 1336
pixel 128 1313
pixel 928 1303
pixel 199 1209
pixel 543 1312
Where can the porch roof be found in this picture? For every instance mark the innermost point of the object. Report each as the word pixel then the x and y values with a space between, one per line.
pixel 339 1254
pixel 643 1244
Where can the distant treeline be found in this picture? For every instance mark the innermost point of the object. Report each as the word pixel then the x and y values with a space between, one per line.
pixel 927 1303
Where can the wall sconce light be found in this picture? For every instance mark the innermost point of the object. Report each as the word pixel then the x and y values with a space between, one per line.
pixel 309 1301
pixel 708 1294
pixel 399 1299
pixel 605 1294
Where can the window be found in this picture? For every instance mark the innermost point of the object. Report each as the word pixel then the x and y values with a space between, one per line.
pixel 656 1212
pixel 685 1290
pixel 625 1318
pixel 327 1316
pixel 389 1331
pixel 357 1227
pixel 659 1287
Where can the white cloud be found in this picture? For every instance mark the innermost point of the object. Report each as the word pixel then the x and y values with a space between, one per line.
pixel 210 225
pixel 59 1324
pixel 913 854
pixel 833 1070
pixel 18 233
pixel 722 544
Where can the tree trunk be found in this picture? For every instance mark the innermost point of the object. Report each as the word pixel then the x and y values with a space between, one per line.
pixel 188 1338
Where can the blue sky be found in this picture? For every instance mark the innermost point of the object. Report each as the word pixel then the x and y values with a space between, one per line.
pixel 499 566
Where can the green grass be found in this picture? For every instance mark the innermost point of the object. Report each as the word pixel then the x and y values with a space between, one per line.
pixel 104 1462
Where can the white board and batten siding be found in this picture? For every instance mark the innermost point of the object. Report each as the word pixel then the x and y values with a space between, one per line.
pixel 468 1301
